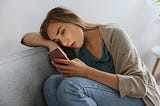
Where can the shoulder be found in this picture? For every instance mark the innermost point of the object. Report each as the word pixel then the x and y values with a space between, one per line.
pixel 112 30
pixel 114 34
pixel 116 38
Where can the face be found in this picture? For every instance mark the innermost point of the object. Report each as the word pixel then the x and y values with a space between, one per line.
pixel 67 34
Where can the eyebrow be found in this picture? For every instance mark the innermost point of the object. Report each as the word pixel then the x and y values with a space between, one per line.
pixel 58 30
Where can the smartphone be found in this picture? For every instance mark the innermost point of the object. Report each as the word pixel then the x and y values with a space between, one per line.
pixel 58 53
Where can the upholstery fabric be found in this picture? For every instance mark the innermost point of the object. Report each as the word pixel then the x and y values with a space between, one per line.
pixel 22 76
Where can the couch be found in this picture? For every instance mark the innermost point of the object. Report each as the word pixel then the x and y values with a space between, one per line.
pixel 22 76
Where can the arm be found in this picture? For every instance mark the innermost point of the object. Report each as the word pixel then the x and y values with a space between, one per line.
pixel 76 67
pixel 131 71
pixel 35 39
pixel 105 78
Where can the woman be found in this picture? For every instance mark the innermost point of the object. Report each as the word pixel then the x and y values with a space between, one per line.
pixel 107 70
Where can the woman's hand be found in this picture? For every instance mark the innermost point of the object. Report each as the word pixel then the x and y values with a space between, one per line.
pixel 69 68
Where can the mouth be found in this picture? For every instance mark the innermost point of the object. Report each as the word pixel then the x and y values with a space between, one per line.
pixel 73 44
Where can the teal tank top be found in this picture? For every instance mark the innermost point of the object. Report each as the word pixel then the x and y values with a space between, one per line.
pixel 105 63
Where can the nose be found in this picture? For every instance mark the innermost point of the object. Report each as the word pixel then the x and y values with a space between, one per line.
pixel 65 42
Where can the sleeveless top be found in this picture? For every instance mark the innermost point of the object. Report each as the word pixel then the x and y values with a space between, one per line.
pixel 105 63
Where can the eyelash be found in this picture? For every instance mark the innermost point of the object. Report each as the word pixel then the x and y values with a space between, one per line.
pixel 56 40
pixel 63 31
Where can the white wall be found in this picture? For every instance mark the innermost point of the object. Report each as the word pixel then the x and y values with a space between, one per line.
pixel 138 17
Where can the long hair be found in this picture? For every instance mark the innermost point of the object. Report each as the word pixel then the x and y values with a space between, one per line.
pixel 62 14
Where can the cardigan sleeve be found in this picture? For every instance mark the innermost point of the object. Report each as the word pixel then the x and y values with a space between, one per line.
pixel 129 67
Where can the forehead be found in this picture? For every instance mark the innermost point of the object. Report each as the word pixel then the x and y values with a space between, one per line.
pixel 52 28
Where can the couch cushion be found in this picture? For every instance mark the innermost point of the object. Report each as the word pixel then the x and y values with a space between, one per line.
pixel 22 76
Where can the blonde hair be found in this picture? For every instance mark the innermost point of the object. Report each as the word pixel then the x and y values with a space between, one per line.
pixel 62 14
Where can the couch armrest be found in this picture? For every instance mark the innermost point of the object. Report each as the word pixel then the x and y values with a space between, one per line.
pixel 22 76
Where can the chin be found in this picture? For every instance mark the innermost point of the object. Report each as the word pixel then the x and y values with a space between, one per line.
pixel 79 46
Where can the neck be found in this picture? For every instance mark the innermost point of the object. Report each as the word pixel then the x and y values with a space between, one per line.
pixel 91 37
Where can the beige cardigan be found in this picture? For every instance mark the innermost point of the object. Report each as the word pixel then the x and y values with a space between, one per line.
pixel 134 78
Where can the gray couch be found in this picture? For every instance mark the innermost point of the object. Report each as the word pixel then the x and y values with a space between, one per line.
pixel 22 76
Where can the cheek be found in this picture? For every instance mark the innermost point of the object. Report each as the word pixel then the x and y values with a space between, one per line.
pixel 80 38
pixel 78 35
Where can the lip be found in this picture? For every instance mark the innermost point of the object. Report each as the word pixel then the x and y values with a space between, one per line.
pixel 73 44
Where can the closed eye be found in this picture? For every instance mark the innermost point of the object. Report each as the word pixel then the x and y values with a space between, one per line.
pixel 57 41
pixel 63 31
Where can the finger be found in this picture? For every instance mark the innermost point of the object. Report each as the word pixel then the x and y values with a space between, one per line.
pixel 64 71
pixel 52 62
pixel 67 75
pixel 75 59
pixel 61 61
pixel 62 66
